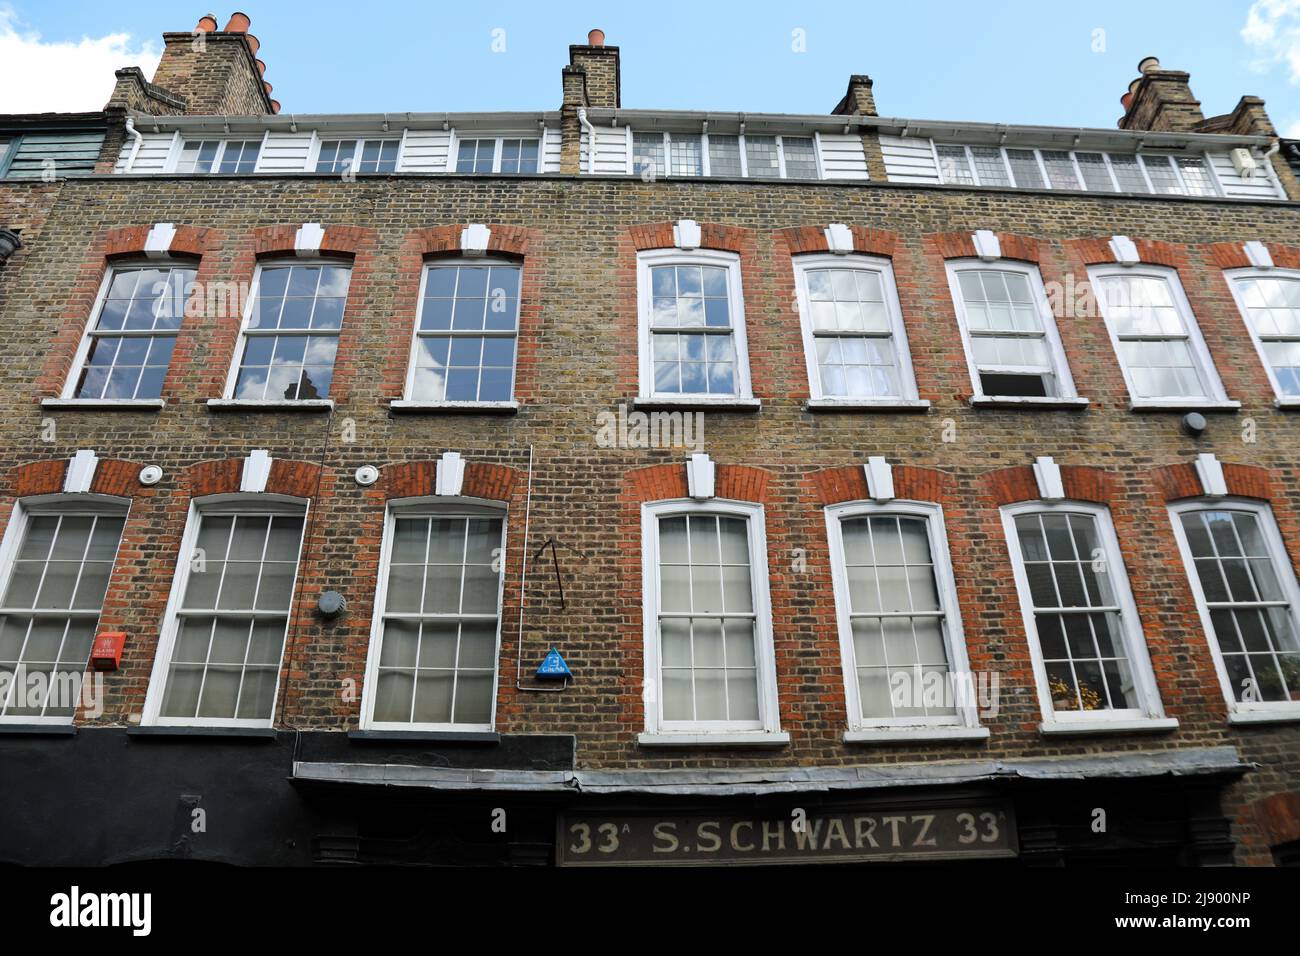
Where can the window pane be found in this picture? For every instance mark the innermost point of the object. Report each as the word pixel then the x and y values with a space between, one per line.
pixel 990 167
pixel 438 664
pixel 889 567
pixel 697 297
pixel 1079 624
pixel 1196 176
pixel 1060 169
pixel 954 166
pixel 1096 177
pixel 707 661
pixel 648 154
pixel 467 365
pixel 293 367
pixel 800 157
pixel 1162 175
pixel 1008 335
pixel 761 157
pixel 724 155
pixel 138 300
pixel 1272 306
pixel 63 564
pixel 1024 167
pixel 687 157
pixel 1259 645
pixel 1128 174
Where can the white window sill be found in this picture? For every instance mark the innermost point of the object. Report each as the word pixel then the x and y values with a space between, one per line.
pixel 256 405
pixel 889 735
pixel 1026 401
pixel 1181 405
pixel 1280 716
pixel 464 408
pixel 756 738
pixel 866 405
pixel 698 403
pixel 1149 725
pixel 105 404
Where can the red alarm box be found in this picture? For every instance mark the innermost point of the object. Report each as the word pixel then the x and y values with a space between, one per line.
pixel 107 652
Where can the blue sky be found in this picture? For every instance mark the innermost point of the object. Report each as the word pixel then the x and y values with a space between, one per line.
pixel 1024 62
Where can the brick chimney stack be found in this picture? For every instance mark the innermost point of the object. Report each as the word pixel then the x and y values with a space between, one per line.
pixel 205 71
pixel 1160 100
pixel 859 100
pixel 598 65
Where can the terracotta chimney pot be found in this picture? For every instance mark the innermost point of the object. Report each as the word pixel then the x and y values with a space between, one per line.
pixel 206 24
pixel 596 38
pixel 238 23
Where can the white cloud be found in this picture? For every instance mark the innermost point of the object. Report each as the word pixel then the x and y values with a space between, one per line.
pixel 1292 130
pixel 1272 30
pixel 64 76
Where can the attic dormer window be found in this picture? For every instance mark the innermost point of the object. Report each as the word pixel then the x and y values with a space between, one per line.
pixel 358 155
pixel 497 154
pixel 219 156
pixel 1158 173
pixel 721 154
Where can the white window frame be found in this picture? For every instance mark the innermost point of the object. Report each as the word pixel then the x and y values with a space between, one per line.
pixel 1233 276
pixel 768 724
pixel 178 149
pixel 1051 335
pixel 705 167
pixel 1240 711
pixel 1139 158
pixel 426 507
pixel 1215 395
pixel 883 267
pixel 217 505
pixel 1149 714
pixel 318 141
pixel 61 505
pixel 453 151
pixel 703 257
pixel 69 390
pixel 251 303
pixel 408 397
pixel 954 636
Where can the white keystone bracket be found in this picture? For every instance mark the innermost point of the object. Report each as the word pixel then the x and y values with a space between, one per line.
pixel 987 244
pixel 81 472
pixel 307 240
pixel 257 469
pixel 450 475
pixel 839 238
pixel 1048 475
pixel 474 239
pixel 686 234
pixel 880 478
pixel 1210 470
pixel 1124 250
pixel 700 474
pixel 159 241
pixel 1258 254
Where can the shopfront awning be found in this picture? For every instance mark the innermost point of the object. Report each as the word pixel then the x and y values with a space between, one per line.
pixel 1206 761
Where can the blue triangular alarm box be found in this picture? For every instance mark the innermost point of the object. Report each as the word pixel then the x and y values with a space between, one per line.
pixel 554 667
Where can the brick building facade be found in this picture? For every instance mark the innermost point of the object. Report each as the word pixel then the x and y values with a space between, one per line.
pixel 613 230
